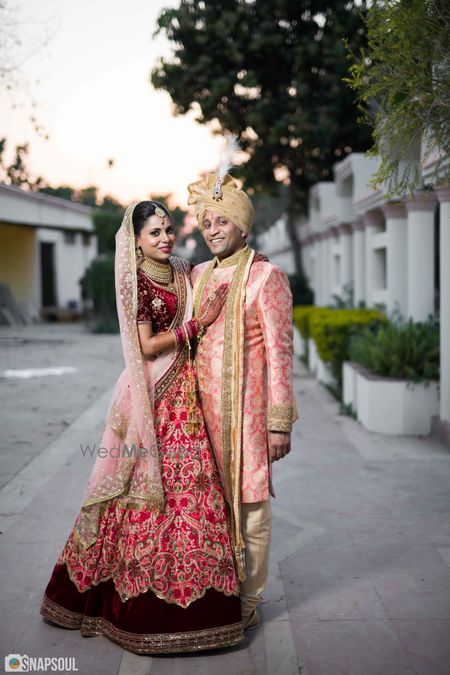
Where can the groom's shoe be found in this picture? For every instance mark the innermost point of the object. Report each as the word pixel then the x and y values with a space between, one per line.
pixel 251 621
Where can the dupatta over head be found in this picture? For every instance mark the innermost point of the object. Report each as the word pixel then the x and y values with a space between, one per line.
pixel 128 462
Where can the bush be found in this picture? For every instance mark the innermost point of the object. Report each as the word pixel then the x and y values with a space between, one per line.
pixel 301 318
pixel 332 331
pixel 101 287
pixel 404 350
pixel 302 315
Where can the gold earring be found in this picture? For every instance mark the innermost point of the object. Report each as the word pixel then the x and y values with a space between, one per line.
pixel 137 249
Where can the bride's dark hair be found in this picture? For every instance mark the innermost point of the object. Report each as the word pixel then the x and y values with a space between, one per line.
pixel 143 211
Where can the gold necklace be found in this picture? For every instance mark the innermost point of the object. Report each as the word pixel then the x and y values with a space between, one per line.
pixel 159 272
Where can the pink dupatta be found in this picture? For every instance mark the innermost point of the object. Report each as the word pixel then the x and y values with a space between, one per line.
pixel 129 466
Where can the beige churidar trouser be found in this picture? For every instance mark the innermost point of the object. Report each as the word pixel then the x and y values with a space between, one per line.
pixel 256 523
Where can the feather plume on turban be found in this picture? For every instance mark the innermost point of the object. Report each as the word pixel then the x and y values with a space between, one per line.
pixel 219 192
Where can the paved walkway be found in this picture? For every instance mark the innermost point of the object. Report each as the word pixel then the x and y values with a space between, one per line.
pixel 360 576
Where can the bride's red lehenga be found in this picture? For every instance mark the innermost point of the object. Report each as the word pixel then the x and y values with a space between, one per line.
pixel 157 582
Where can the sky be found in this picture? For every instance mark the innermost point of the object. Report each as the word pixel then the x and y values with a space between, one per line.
pixel 91 83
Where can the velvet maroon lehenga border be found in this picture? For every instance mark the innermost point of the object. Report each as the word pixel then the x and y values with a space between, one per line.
pixel 144 624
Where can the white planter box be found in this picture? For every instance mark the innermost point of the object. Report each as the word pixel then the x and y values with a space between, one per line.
pixel 299 343
pixel 349 371
pixel 313 357
pixel 317 366
pixel 390 406
pixel 323 373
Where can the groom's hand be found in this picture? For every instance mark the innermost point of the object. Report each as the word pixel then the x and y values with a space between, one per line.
pixel 279 444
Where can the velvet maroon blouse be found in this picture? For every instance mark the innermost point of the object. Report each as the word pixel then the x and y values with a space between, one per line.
pixel 156 305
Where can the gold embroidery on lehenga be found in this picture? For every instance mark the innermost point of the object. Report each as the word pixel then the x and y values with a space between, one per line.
pixel 118 421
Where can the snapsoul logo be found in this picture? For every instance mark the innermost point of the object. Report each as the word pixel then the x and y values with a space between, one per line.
pixel 22 663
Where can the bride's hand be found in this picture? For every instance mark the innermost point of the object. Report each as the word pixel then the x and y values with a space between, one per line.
pixel 213 307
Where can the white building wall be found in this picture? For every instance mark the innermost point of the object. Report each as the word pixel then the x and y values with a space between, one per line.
pixel 71 261
pixel 53 220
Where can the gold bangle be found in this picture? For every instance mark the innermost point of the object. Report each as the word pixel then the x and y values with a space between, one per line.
pixel 201 330
pixel 174 337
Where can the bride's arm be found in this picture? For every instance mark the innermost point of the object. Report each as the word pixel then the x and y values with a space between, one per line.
pixel 152 345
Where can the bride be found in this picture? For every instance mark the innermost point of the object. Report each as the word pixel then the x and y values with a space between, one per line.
pixel 149 562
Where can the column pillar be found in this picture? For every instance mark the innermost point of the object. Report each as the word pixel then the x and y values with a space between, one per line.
pixel 358 256
pixel 328 243
pixel 443 194
pixel 324 267
pixel 345 232
pixel 420 253
pixel 396 264
pixel 373 220
pixel 318 280
pixel 311 254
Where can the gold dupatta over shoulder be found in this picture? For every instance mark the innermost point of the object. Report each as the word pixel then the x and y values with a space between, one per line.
pixel 232 387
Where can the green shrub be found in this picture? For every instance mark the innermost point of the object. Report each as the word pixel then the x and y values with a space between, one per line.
pixel 332 331
pixel 302 315
pixel 404 350
pixel 301 318
pixel 101 287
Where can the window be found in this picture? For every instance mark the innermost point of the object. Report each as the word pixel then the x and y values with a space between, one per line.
pixel 70 237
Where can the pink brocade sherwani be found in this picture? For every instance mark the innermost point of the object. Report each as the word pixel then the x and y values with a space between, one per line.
pixel 268 351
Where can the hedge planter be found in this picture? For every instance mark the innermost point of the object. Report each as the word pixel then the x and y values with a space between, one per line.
pixel 349 371
pixel 313 357
pixel 299 343
pixel 390 406
pixel 317 366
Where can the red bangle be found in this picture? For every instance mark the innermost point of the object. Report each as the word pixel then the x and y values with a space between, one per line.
pixel 193 328
pixel 179 335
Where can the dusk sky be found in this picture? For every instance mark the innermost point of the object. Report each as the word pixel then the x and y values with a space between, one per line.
pixel 96 103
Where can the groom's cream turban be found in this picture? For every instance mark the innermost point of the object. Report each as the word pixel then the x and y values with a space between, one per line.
pixel 233 202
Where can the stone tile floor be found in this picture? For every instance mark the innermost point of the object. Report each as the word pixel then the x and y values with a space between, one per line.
pixel 360 565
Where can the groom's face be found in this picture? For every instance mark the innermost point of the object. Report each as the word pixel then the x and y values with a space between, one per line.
pixel 222 237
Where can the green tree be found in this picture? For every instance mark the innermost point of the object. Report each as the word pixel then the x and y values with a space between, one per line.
pixel 17 173
pixel 62 191
pixel 107 218
pixel 402 81
pixel 270 71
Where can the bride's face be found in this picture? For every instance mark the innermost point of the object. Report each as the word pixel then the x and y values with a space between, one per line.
pixel 157 238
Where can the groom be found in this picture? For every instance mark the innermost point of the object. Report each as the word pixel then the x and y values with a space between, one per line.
pixel 244 366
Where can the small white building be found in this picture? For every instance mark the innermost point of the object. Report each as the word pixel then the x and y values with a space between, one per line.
pixel 275 242
pixel 394 252
pixel 46 244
